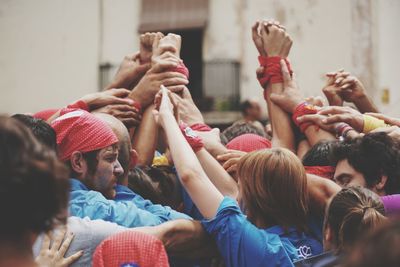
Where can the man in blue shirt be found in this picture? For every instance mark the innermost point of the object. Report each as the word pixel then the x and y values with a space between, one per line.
pixel 90 148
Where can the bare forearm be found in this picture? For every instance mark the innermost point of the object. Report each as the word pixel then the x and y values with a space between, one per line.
pixel 365 104
pixel 145 139
pixel 302 148
pixel 189 169
pixel 217 174
pixel 216 149
pixel 320 191
pixel 183 239
pixel 282 133
pixel 315 134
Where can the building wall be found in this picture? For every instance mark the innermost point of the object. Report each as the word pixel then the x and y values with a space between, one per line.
pixel 357 35
pixel 387 57
pixel 49 53
pixel 50 50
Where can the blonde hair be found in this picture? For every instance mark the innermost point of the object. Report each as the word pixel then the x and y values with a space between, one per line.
pixel 273 186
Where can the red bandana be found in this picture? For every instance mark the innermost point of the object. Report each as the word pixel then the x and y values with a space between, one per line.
pixel 78 130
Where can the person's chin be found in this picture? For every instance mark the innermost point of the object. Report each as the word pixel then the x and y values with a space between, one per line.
pixel 111 194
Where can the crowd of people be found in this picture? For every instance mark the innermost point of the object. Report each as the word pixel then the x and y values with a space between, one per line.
pixel 133 176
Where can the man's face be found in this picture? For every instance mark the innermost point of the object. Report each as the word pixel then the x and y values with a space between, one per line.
pixel 108 169
pixel 346 175
pixel 255 110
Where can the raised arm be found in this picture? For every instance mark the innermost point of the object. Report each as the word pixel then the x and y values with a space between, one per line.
pixel 292 100
pixel 276 44
pixel 217 174
pixel 192 175
pixel 145 138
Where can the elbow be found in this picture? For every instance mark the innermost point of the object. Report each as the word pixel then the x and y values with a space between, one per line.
pixel 187 175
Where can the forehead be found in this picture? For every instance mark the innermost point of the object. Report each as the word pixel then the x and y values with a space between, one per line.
pixel 344 166
pixel 109 149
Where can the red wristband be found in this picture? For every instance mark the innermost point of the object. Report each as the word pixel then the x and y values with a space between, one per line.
pixel 303 109
pixel 272 70
pixel 192 138
pixel 201 127
pixel 181 68
pixel 79 105
pixel 137 105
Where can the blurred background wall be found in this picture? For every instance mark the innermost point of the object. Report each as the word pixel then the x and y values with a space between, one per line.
pixel 54 51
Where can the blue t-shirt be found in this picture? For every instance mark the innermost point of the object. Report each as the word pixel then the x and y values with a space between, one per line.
pixel 243 244
pixel 130 210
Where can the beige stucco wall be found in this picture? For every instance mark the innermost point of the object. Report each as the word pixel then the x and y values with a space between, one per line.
pixel 50 50
pixel 328 35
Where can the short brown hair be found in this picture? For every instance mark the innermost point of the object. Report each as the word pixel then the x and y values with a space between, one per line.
pixel 273 186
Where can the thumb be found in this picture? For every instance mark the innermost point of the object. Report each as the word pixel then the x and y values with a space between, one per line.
pixel 118 100
pixel 143 68
pixel 186 93
pixel 119 92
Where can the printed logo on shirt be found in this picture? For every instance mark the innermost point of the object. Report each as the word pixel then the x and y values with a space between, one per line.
pixel 304 252
pixel 129 264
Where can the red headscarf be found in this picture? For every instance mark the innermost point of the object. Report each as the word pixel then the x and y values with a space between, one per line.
pixel 321 171
pixel 249 143
pixel 45 114
pixel 130 248
pixel 78 130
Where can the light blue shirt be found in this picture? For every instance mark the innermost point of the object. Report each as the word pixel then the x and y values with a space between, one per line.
pixel 243 244
pixel 128 209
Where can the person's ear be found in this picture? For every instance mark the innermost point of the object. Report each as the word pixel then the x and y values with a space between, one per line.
pixel 78 164
pixel 381 185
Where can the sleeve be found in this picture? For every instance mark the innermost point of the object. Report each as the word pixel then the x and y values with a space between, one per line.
pixel 124 213
pixel 392 204
pixel 163 212
pixel 241 243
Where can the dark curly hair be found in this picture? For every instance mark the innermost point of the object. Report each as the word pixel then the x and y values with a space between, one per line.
pixel 33 183
pixel 373 155
pixel 319 154
pixel 40 129
pixel 157 183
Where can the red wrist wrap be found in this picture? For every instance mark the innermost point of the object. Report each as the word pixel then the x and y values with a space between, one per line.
pixel 181 68
pixel 322 171
pixel 272 70
pixel 137 105
pixel 201 127
pixel 303 109
pixel 79 105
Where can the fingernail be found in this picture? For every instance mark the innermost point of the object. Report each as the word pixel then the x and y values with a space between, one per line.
pixel 324 120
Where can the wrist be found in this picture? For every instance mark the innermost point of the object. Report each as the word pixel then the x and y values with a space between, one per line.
pixel 295 104
pixel 365 104
pixel 137 97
